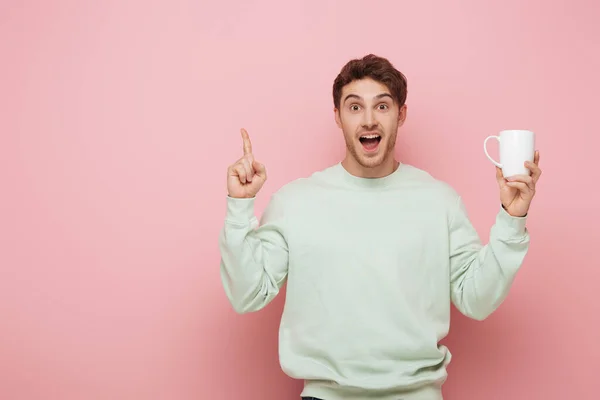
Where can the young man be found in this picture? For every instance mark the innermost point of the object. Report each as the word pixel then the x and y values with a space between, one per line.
pixel 373 251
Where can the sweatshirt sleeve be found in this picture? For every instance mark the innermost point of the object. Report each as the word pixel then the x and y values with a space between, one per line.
pixel 480 275
pixel 254 257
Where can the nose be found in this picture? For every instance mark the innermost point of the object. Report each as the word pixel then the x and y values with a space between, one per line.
pixel 368 120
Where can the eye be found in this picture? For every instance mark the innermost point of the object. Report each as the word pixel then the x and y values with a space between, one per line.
pixel 383 106
pixel 354 107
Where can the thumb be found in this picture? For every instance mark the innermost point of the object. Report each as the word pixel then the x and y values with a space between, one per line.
pixel 259 168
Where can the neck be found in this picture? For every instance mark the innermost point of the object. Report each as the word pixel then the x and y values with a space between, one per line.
pixel 387 167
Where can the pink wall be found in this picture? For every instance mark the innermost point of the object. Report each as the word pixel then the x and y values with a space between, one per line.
pixel 117 122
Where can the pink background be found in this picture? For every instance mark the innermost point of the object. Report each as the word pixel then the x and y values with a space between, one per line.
pixel 117 123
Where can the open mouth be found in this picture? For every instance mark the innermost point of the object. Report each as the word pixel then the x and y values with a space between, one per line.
pixel 370 142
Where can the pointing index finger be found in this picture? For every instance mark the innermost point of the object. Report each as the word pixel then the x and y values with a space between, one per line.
pixel 247 144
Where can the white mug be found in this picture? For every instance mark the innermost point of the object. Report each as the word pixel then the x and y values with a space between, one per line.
pixel 516 146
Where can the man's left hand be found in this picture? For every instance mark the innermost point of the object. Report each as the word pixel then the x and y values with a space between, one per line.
pixel 516 192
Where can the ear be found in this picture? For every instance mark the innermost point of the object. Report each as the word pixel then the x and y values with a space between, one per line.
pixel 338 119
pixel 402 115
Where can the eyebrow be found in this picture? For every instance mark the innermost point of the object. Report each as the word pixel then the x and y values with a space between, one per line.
pixel 379 96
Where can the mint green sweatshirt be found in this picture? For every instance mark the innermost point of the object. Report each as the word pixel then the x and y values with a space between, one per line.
pixel 372 266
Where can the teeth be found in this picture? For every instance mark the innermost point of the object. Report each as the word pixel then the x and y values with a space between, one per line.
pixel 370 136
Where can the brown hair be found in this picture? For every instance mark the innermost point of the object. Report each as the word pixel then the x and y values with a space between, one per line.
pixel 376 68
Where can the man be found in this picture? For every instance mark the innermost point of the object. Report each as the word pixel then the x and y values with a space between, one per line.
pixel 373 251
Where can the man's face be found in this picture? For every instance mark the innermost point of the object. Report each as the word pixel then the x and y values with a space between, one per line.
pixel 369 118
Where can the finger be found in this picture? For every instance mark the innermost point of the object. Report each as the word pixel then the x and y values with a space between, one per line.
pixel 520 178
pixel 521 186
pixel 499 175
pixel 536 157
pixel 535 170
pixel 248 157
pixel 260 169
pixel 248 168
pixel 247 143
pixel 240 172
pixel 526 179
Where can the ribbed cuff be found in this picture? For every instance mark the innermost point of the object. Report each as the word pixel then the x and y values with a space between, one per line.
pixel 508 223
pixel 240 210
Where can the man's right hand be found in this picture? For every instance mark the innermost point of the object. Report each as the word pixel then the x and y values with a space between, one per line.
pixel 246 176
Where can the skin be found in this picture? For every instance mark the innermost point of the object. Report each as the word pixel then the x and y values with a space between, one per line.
pixel 366 106
pixel 517 192
pixel 246 176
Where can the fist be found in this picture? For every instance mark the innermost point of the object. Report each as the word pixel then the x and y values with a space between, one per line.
pixel 246 176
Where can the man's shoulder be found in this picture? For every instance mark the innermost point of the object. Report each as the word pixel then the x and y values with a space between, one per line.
pixel 327 177
pixel 306 185
pixel 429 181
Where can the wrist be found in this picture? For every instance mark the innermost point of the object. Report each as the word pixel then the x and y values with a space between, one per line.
pixel 239 210
pixel 513 215
pixel 243 197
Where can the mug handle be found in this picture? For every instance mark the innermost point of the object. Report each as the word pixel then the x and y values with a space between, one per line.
pixel 496 163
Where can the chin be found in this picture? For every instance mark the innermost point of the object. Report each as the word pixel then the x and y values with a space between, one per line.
pixel 373 158
pixel 370 157
pixel 367 160
pixel 371 162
